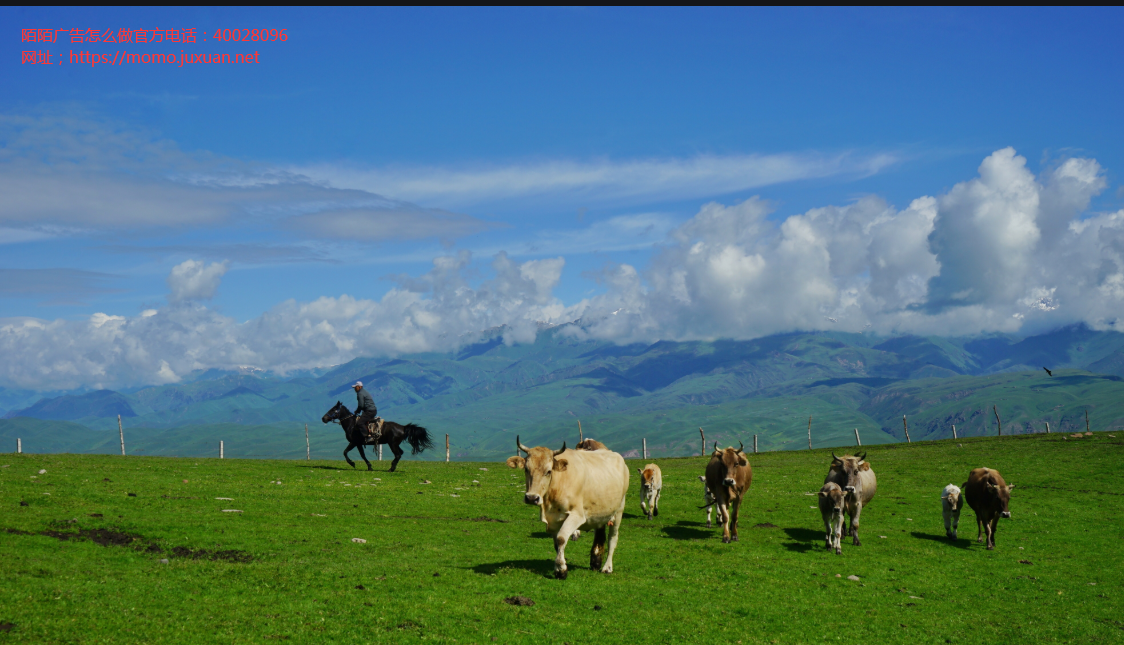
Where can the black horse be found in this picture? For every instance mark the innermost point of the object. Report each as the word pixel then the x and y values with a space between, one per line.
pixel 393 434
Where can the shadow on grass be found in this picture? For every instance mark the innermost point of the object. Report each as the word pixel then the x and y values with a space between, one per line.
pixel 326 467
pixel 544 567
pixel 960 543
pixel 684 530
pixel 540 534
pixel 807 539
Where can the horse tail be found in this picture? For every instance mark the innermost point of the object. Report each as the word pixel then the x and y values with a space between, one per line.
pixel 418 437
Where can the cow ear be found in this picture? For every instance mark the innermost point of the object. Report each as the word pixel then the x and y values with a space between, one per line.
pixel 641 471
pixel 742 461
pixel 1010 486
pixel 560 464
pixel 823 493
pixel 864 466
pixel 991 486
pixel 702 478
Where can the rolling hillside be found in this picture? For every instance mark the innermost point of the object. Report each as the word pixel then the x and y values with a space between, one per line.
pixel 487 393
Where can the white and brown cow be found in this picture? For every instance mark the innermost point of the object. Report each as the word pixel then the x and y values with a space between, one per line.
pixel 728 476
pixel 989 496
pixel 590 444
pixel 578 489
pixel 951 503
pixel 854 476
pixel 651 485
pixel 708 497
pixel 833 505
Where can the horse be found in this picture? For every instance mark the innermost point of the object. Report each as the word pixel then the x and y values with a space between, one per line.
pixel 393 434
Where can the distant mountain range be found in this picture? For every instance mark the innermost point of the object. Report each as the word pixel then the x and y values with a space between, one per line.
pixel 487 393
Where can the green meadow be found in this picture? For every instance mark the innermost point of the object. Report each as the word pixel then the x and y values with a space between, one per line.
pixel 110 549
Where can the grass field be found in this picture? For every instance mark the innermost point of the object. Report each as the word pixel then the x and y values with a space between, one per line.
pixel 82 561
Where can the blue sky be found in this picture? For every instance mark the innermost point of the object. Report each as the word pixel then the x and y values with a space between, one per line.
pixel 581 144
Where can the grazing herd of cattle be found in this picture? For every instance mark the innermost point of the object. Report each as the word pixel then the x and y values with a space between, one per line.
pixel 585 489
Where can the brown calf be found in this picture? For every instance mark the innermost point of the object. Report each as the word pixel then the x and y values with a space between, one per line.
pixel 590 444
pixel 516 462
pixel 988 495
pixel 833 504
pixel 728 476
pixel 854 476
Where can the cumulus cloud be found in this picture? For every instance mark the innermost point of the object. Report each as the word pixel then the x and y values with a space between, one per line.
pixel 1008 250
pixel 193 280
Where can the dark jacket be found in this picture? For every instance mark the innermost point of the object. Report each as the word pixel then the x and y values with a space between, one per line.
pixel 365 403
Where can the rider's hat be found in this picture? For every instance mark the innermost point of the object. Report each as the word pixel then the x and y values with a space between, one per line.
pixel 358 384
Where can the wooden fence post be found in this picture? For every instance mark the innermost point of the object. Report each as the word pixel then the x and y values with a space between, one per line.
pixel 905 424
pixel 19 445
pixel 221 452
pixel 1047 427
pixel 702 437
pixel 997 420
pixel 645 440
pixel 809 433
pixel 307 446
pixel 1086 420
pixel 378 449
pixel 121 431
pixel 953 432
pixel 446 447
pixel 755 444
pixel 857 440
pixel 580 437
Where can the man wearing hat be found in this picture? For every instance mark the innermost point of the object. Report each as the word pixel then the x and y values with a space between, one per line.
pixel 365 409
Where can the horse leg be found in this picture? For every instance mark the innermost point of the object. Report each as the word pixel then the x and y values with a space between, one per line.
pixel 398 452
pixel 364 456
pixel 347 450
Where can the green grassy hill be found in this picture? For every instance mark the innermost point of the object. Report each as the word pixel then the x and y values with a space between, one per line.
pixel 487 393
pixel 446 544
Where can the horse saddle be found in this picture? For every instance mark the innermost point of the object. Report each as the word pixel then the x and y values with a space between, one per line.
pixel 374 429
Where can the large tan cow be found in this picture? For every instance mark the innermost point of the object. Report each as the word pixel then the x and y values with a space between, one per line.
pixel 651 485
pixel 833 504
pixel 989 496
pixel 854 476
pixel 728 476
pixel 951 503
pixel 578 489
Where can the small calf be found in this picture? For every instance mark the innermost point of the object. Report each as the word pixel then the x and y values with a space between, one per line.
pixel 708 497
pixel 651 485
pixel 516 462
pixel 833 503
pixel 590 444
pixel 951 503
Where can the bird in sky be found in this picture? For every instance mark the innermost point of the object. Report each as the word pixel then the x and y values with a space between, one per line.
pixel 1048 372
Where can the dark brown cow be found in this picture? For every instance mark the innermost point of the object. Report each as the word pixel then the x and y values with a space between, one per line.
pixel 590 444
pixel 728 476
pixel 988 495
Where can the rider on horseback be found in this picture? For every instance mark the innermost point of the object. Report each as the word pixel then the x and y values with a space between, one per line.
pixel 366 409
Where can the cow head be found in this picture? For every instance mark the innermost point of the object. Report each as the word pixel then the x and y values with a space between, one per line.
pixel 1000 496
pixel 730 460
pixel 538 467
pixel 848 468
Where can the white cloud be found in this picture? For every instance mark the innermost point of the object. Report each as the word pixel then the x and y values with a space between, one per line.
pixel 637 180
pixel 975 259
pixel 192 280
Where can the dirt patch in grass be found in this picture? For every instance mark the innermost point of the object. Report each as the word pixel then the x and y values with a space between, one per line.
pixel 766 525
pixel 519 601
pixel 227 555
pixel 6 627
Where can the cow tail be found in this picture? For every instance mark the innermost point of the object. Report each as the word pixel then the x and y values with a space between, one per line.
pixel 418 437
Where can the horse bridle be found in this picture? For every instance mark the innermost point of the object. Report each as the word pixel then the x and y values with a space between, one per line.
pixel 349 414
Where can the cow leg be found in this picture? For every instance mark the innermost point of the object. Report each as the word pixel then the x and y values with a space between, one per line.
pixel 837 531
pixel 597 553
pixel 644 506
pixel 724 518
pixel 656 503
pixel 955 523
pixel 855 524
pixel 991 532
pixel 734 519
pixel 363 454
pixel 948 521
pixel 346 458
pixel 709 508
pixel 979 527
pixel 398 452
pixel 560 538
pixel 829 526
pixel 613 530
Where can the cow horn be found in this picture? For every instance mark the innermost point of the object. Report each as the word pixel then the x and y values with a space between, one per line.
pixel 558 452
pixel 863 458
pixel 741 447
pixel 833 456
pixel 716 447
pixel 521 446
